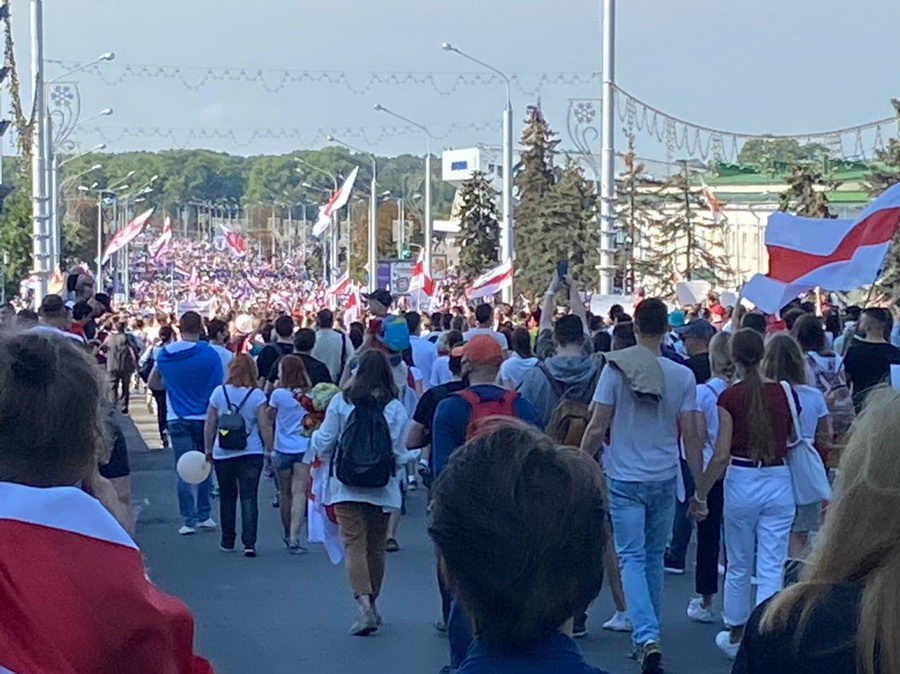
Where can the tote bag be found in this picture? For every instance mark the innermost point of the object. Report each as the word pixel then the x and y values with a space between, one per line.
pixel 808 474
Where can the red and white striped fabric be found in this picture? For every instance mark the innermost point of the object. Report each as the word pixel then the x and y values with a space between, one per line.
pixel 832 254
pixel 421 286
pixel 193 283
pixel 126 235
pixel 353 307
pixel 234 240
pixel 74 596
pixel 161 246
pixel 492 282
pixel 339 288
pixel 337 201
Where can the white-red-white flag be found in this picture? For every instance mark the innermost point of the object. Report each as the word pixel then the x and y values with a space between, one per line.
pixel 161 246
pixel 709 196
pixel 831 254
pixel 420 281
pixel 193 282
pixel 353 307
pixel 66 567
pixel 234 240
pixel 492 282
pixel 337 201
pixel 126 235
pixel 340 287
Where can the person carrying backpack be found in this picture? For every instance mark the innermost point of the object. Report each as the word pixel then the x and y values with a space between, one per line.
pixel 459 418
pixel 236 434
pixel 361 441
pixel 121 364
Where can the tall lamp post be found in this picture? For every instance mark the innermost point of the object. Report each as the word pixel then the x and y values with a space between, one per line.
pixel 332 265
pixel 429 223
pixel 507 246
pixel 373 213
pixel 55 220
pixel 607 149
pixel 101 192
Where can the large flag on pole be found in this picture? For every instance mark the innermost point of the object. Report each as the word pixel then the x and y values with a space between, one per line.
pixel 126 235
pixel 67 568
pixel 338 289
pixel 161 246
pixel 420 281
pixel 337 201
pixel 832 254
pixel 492 282
pixel 234 240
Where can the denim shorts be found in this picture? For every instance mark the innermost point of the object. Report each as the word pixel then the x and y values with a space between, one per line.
pixel 285 461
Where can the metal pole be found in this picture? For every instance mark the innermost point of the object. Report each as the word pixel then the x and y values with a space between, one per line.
pixel 55 219
pixel 373 231
pixel 38 150
pixel 335 242
pixel 607 149
pixel 507 248
pixel 429 223
pixel 52 254
pixel 99 241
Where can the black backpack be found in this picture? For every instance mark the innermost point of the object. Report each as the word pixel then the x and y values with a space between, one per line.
pixel 232 428
pixel 365 455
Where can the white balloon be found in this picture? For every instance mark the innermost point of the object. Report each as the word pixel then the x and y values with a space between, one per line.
pixel 193 467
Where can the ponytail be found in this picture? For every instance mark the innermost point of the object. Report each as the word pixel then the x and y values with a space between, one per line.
pixel 747 350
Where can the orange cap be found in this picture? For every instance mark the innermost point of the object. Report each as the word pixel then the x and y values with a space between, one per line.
pixel 483 350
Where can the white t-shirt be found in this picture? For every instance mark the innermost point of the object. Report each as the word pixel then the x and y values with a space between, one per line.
pixel 514 368
pixel 707 402
pixel 288 422
pixel 812 408
pixel 644 433
pixel 248 411
pixel 226 357
pixel 440 373
pixel 424 354
pixel 498 336
pixel 328 350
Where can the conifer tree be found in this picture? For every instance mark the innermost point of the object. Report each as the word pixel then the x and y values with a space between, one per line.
pixel 479 235
pixel 635 216
pixel 885 172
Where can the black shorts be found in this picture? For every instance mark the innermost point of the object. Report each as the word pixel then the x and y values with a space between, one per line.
pixel 118 460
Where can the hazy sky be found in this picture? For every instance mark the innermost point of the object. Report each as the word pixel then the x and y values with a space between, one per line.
pixel 761 66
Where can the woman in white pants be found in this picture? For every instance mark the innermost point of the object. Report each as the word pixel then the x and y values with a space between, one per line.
pixel 754 429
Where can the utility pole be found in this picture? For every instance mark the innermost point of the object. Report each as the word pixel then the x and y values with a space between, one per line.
pixel 38 155
pixel 607 149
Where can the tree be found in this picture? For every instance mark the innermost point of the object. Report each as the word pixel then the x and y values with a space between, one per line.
pixel 571 230
pixel 635 215
pixel 479 227
pixel 535 176
pixel 767 152
pixel 805 192
pixel 683 246
pixel 885 172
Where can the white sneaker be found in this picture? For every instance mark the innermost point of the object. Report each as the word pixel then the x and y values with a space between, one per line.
pixel 620 622
pixel 208 525
pixel 186 530
pixel 696 611
pixel 723 641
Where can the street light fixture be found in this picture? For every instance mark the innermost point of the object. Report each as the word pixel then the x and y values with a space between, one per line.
pixel 506 231
pixel 429 225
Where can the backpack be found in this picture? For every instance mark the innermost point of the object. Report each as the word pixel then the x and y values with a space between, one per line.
pixel 833 386
pixel 572 413
pixel 231 427
pixel 483 409
pixel 365 454
pixel 120 355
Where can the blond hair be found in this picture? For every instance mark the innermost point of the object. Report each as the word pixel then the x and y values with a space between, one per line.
pixel 242 371
pixel 720 361
pixel 860 541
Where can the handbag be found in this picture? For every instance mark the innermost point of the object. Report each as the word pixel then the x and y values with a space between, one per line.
pixel 808 474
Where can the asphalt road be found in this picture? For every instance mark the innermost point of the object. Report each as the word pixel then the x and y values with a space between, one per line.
pixel 277 613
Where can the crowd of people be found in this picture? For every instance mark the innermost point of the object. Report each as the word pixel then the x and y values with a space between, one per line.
pixel 557 447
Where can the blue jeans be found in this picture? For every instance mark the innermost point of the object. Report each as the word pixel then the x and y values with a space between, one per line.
pixel 186 435
pixel 642 518
pixel 458 634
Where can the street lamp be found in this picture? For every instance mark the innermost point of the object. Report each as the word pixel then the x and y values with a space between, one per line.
pixel 507 248
pixel 373 213
pixel 330 270
pixel 429 225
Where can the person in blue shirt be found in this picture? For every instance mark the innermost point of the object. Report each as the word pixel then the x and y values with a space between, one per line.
pixel 517 523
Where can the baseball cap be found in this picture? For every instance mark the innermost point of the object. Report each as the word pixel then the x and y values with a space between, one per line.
pixel 483 350
pixel 676 319
pixel 381 296
pixel 698 327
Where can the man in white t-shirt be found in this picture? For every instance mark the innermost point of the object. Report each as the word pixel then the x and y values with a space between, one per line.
pixel 484 316
pixel 643 399
pixel 332 347
pixel 218 337
pixel 424 352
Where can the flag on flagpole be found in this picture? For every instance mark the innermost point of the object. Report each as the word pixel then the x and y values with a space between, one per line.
pixel 68 567
pixel 127 234
pixel 420 281
pixel 337 201
pixel 832 254
pixel 161 246
pixel 234 240
pixel 193 282
pixel 492 282
pixel 353 308
pixel 709 196
pixel 340 287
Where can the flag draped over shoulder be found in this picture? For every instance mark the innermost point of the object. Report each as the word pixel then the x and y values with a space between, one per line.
pixel 74 596
pixel 833 254
pixel 492 282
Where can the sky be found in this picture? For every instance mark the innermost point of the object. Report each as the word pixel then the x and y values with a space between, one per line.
pixel 767 66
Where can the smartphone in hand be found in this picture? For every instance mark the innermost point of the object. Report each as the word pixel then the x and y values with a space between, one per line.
pixel 562 270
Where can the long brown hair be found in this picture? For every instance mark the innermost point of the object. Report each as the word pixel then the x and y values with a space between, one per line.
pixel 747 351
pixel 373 379
pixel 859 543
pixel 784 359
pixel 292 373
pixel 242 371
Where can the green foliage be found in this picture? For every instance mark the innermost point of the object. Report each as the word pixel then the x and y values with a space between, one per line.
pixel 534 179
pixel 767 154
pixel 682 245
pixel 15 235
pixel 885 173
pixel 635 215
pixel 479 234
pixel 805 192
